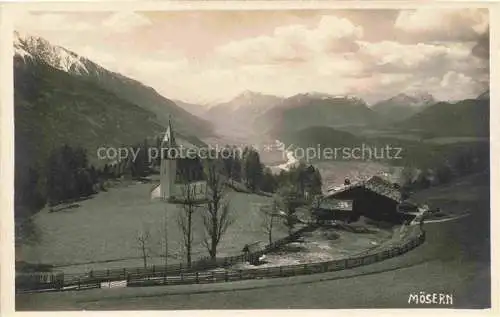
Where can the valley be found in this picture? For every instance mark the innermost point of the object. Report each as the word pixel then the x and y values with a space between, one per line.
pixel 78 213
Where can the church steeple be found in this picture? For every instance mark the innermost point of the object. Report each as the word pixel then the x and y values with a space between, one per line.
pixel 169 138
pixel 168 166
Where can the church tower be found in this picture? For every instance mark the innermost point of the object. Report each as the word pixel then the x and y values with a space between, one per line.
pixel 168 166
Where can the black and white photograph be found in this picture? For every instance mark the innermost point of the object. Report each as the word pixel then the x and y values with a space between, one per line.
pixel 251 158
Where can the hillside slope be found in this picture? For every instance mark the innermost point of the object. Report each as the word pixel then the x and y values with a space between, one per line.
pixel 39 50
pixel 313 137
pixel 465 118
pixel 53 108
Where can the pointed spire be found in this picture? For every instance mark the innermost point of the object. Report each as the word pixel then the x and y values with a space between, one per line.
pixel 169 138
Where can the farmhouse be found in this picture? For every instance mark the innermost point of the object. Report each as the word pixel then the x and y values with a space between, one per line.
pixel 333 209
pixel 374 198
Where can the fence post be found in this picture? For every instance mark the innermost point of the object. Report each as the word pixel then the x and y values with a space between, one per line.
pixel 226 278
pixel 78 283
pixel 107 273
pixel 241 274
pixel 213 277
pixel 305 269
pixel 153 269
pixel 91 273
pixel 197 278
pixel 124 272
pixel 281 270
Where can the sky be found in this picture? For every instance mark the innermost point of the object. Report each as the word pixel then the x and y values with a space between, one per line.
pixel 211 56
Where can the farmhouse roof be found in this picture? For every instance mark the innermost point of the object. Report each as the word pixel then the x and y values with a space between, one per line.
pixel 375 184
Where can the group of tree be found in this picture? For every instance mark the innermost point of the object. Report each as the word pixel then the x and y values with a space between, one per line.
pixel 246 166
pixel 67 175
pixel 306 179
pixel 281 211
pixel 463 162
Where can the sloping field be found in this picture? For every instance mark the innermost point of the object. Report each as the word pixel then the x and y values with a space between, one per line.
pixel 334 173
pixel 102 232
pixel 325 244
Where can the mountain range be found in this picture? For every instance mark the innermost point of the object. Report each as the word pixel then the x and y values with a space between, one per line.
pixel 303 111
pixel 403 106
pixel 63 98
pixel 40 50
pixel 283 118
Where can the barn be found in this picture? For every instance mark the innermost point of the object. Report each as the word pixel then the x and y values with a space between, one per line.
pixel 374 198
pixel 333 209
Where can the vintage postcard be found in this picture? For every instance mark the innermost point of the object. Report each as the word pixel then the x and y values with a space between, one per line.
pixel 247 156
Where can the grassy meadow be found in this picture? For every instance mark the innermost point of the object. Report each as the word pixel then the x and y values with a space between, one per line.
pixel 101 232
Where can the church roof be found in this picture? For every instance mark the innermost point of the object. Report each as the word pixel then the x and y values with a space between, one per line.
pixel 171 141
pixel 169 138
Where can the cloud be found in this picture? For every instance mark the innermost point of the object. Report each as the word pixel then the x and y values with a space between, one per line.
pixel 295 43
pixel 49 22
pixel 40 22
pixel 394 57
pixel 443 24
pixel 124 21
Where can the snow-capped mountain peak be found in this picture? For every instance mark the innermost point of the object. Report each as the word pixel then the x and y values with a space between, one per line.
pixel 27 46
pixel 413 99
pixel 325 96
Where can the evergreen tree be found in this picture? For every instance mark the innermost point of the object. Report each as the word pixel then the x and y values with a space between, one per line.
pixel 252 169
pixel 268 182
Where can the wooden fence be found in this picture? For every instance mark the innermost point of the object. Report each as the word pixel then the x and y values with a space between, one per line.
pixel 199 271
pixel 273 272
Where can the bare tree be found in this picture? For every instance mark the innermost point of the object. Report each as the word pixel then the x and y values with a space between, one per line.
pixel 185 219
pixel 217 217
pixel 315 205
pixel 289 201
pixel 269 213
pixel 143 241
pixel 165 237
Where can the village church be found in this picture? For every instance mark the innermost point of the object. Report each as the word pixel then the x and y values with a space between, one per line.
pixel 178 173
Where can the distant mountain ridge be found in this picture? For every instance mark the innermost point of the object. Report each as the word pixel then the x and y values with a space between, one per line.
pixel 468 117
pixel 403 106
pixel 193 108
pixel 307 110
pixel 38 49
pixel 240 112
